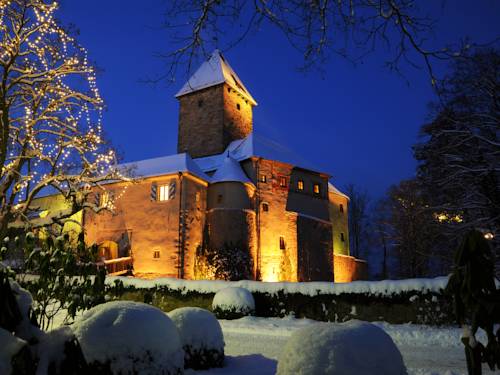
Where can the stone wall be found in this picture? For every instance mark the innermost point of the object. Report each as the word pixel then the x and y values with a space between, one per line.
pixel 210 119
pixel 147 226
pixel 347 268
pixel 315 256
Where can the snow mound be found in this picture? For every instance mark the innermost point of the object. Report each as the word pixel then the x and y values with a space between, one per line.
pixel 130 338
pixel 201 337
pixel 10 346
pixel 351 348
pixel 233 303
pixel 23 298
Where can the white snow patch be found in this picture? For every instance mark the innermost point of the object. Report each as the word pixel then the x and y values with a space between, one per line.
pixel 198 328
pixel 377 288
pixel 51 347
pixel 234 299
pixel 230 171
pixel 10 345
pixel 133 337
pixel 351 348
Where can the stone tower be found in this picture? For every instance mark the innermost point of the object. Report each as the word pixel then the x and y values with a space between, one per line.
pixel 215 109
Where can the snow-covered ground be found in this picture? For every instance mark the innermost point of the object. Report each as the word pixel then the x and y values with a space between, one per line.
pixel 253 346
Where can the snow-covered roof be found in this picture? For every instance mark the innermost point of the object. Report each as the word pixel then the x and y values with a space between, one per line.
pixel 165 165
pixel 258 146
pixel 214 71
pixel 333 189
pixel 230 171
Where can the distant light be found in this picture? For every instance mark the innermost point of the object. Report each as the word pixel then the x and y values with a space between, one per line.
pixel 489 236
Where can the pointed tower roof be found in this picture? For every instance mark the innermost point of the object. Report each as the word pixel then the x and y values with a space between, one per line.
pixel 214 71
pixel 230 171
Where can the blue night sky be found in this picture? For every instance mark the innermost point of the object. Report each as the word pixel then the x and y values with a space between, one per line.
pixel 357 123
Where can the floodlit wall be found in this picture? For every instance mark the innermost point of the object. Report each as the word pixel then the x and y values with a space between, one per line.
pixel 349 269
pixel 339 206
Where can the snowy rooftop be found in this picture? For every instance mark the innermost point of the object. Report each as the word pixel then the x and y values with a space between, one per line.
pixel 214 71
pixel 258 146
pixel 165 165
pixel 230 171
pixel 333 189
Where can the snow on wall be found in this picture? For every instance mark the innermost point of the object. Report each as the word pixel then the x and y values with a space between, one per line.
pixel 378 288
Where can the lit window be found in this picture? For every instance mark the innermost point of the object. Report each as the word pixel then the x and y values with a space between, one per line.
pixel 282 243
pixel 316 189
pixel 283 181
pixel 164 193
pixel 156 254
pixel 263 178
pixel 265 207
pixel 300 185
pixel 219 198
pixel 341 208
pixel 342 237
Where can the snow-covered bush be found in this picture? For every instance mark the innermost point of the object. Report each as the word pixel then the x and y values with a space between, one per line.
pixel 123 337
pixel 233 303
pixel 201 337
pixel 14 354
pixel 351 348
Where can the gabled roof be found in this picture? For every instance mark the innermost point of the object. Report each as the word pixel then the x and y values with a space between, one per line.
pixel 214 71
pixel 165 165
pixel 230 171
pixel 255 145
pixel 334 190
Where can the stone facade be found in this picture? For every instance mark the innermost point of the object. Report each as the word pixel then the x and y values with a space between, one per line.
pixel 220 113
pixel 291 220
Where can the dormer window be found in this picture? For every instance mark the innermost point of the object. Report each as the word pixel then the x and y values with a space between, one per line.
pixel 316 189
pixel 300 185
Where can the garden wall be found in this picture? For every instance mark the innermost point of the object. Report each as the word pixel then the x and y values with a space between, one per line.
pixel 419 301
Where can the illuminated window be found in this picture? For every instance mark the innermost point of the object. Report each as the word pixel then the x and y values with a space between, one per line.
pixel 156 254
pixel 342 237
pixel 265 207
pixel 341 208
pixel 263 178
pixel 283 181
pixel 219 198
pixel 316 189
pixel 197 196
pixel 163 193
pixel 238 106
pixel 282 243
pixel 300 185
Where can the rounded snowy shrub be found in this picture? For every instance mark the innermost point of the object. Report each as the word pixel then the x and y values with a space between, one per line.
pixel 233 303
pixel 201 337
pixel 351 348
pixel 125 338
pixel 15 356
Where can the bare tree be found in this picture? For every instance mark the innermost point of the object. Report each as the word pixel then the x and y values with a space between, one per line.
pixel 459 151
pixel 315 28
pixel 358 220
pixel 50 114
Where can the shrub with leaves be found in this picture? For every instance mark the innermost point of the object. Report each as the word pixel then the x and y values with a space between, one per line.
pixel 230 262
pixel 61 276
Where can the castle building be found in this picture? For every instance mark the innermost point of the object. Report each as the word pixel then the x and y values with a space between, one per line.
pixel 226 185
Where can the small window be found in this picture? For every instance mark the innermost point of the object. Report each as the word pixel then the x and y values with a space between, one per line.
pixel 219 198
pixel 282 181
pixel 300 185
pixel 265 207
pixel 263 178
pixel 156 254
pixel 316 189
pixel 197 196
pixel 228 89
pixel 282 243
pixel 200 103
pixel 238 106
pixel 342 238
pixel 163 193
pixel 341 208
